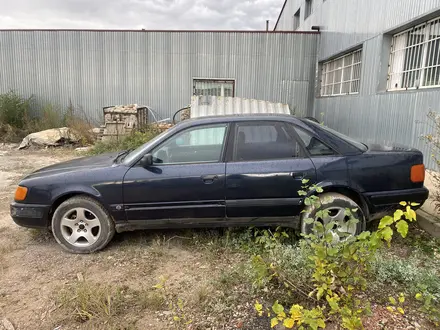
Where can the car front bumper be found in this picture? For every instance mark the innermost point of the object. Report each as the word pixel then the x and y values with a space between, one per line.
pixel 30 215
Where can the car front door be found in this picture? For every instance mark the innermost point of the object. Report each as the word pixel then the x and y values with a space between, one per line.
pixel 265 171
pixel 186 180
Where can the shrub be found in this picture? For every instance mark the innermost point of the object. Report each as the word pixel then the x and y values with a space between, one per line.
pixel 14 110
pixel 50 116
pixel 339 270
pixel 16 121
pixel 80 124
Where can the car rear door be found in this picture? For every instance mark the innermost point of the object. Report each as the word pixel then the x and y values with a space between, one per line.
pixel 186 180
pixel 265 169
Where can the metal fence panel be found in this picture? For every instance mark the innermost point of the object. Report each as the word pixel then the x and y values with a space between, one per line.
pixel 95 69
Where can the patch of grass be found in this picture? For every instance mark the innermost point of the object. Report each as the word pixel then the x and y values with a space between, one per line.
pixel 407 275
pixel 86 301
pixel 151 300
pixel 131 141
pixel 423 242
pixel 229 278
pixel 203 294
pixel 100 304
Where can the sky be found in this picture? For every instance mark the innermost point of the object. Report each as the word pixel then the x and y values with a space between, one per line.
pixel 139 14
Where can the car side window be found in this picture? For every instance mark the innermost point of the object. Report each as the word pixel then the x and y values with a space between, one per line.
pixel 203 144
pixel 314 146
pixel 264 141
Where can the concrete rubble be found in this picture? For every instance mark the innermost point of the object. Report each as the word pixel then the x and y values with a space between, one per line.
pixel 50 138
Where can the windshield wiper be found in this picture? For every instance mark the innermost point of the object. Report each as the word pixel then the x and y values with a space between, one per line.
pixel 122 155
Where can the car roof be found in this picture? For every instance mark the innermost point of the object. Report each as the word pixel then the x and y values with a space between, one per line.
pixel 243 117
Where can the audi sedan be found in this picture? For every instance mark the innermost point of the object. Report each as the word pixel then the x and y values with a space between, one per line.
pixel 243 170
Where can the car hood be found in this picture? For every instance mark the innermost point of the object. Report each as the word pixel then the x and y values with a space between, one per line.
pixel 79 164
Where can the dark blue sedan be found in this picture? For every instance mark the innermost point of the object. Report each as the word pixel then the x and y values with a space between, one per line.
pixel 219 171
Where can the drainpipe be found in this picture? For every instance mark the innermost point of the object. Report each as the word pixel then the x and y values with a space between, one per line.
pixel 317 76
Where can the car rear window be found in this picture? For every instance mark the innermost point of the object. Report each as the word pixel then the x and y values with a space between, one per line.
pixel 358 145
pixel 313 145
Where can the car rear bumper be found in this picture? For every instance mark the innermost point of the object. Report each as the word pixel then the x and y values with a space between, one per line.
pixel 30 215
pixel 381 201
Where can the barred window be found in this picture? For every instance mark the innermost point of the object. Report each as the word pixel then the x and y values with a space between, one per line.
pixel 308 8
pixel 297 20
pixel 342 76
pixel 415 57
pixel 213 87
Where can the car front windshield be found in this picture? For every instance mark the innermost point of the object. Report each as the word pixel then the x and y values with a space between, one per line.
pixel 136 153
pixel 346 138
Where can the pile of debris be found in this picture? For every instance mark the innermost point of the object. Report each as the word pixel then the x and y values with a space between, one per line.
pixel 163 126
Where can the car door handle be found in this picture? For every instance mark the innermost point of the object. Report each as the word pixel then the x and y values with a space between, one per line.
pixel 297 175
pixel 208 179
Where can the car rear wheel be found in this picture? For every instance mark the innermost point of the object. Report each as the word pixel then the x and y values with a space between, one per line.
pixel 336 205
pixel 82 225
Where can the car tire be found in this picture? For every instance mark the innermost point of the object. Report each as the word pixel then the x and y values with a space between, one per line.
pixel 82 225
pixel 334 202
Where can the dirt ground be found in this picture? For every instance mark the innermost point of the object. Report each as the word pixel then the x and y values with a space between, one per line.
pixel 33 268
pixel 35 274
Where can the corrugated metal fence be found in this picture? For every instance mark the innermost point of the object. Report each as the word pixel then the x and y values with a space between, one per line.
pixel 95 69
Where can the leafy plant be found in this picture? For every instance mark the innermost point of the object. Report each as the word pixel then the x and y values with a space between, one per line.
pixel 296 316
pixel 340 264
pixel 396 305
pixel 430 306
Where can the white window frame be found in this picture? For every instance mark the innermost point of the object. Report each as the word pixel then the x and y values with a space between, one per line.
pixel 340 72
pixel 415 63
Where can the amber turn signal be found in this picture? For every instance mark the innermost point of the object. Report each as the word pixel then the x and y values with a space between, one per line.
pixel 20 193
pixel 418 173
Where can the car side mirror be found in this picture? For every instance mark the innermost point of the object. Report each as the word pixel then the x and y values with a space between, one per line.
pixel 147 160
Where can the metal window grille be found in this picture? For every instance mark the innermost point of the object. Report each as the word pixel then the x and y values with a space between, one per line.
pixel 212 87
pixel 296 19
pixel 308 8
pixel 342 76
pixel 415 57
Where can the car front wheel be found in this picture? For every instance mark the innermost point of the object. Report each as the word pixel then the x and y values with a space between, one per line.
pixel 82 225
pixel 336 206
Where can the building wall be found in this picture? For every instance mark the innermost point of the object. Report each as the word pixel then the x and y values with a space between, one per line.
pixel 347 23
pixel 94 69
pixel 373 115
